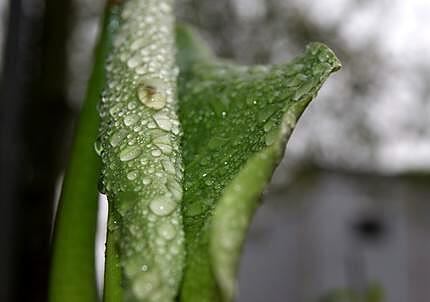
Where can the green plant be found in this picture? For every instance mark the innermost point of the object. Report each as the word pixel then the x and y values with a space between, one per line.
pixel 373 293
pixel 185 158
pixel 72 275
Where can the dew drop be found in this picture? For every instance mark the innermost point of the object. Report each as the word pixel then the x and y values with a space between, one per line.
pixel 175 130
pixel 264 114
pixel 131 119
pixel 323 57
pixel 144 284
pixel 133 62
pixel 132 175
pixel 162 206
pixel 271 136
pixel 303 90
pixel 117 137
pixel 174 250
pixel 115 109
pixel 268 126
pixel 129 153
pixel 166 230
pixel 156 152
pixel 160 137
pixel 165 148
pixel 151 97
pixel 175 189
pixel 98 146
pixel 293 82
pixel 168 166
pixel 130 267
pixel 112 225
pixel 209 182
pixel 131 105
pixel 163 121
pixel 146 181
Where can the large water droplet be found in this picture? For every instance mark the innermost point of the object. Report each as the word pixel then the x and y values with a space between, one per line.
pixel 166 230
pixel 129 153
pixel 151 96
pixel 162 206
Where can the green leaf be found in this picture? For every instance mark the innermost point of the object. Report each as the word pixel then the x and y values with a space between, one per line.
pixel 142 164
pixel 72 275
pixel 236 122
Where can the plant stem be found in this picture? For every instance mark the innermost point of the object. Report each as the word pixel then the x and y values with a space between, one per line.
pixel 73 265
pixel 112 285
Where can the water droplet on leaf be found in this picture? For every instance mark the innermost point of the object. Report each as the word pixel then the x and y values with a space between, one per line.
pixel 271 136
pixel 162 206
pixel 131 119
pixel 151 96
pixel 98 146
pixel 117 137
pixel 132 175
pixel 129 153
pixel 144 285
pixel 167 231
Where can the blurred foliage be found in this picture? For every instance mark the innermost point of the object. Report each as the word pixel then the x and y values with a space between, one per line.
pixel 374 293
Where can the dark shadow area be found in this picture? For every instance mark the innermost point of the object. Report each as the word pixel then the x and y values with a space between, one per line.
pixel 35 133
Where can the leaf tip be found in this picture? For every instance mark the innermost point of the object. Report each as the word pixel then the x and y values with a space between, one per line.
pixel 324 55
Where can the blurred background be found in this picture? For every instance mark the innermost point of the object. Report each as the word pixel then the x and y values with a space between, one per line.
pixel 347 210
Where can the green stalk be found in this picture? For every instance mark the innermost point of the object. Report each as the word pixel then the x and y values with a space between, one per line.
pixel 142 163
pixel 112 291
pixel 72 276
